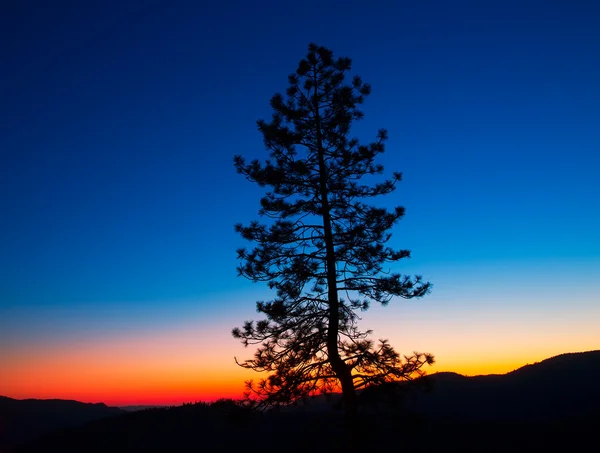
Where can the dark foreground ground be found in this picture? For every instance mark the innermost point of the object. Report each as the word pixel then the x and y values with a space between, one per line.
pixel 204 429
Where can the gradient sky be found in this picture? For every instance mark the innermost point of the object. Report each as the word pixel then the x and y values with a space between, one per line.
pixel 118 196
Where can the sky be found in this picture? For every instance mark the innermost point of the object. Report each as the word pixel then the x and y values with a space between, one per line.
pixel 118 126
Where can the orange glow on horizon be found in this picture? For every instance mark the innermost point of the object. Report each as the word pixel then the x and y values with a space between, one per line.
pixel 172 387
pixel 189 363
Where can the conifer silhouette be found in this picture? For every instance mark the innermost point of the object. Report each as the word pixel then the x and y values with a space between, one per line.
pixel 324 248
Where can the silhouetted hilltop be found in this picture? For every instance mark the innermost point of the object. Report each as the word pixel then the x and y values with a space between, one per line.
pixel 555 388
pixel 563 365
pixel 561 387
pixel 25 419
pixel 142 407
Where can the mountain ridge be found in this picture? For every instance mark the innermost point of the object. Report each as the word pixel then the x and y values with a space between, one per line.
pixel 28 418
pixel 558 393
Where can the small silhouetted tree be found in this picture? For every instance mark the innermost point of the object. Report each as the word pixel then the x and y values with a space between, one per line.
pixel 324 252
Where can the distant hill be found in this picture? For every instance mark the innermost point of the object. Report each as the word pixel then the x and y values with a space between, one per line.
pixel 25 419
pixel 561 387
pixel 141 407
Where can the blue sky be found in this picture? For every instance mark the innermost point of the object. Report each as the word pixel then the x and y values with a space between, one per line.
pixel 120 120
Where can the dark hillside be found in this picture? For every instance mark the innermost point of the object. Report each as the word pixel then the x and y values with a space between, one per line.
pixel 555 389
pixel 202 429
pixel 25 419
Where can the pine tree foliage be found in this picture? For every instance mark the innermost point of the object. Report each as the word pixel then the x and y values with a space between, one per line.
pixel 323 250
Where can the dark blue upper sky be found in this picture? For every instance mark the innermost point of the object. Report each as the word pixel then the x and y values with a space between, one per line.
pixel 119 122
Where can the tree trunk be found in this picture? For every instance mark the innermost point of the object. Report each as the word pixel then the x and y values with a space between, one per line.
pixel 341 370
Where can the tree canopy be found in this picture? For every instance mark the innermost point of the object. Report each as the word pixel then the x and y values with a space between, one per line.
pixel 323 249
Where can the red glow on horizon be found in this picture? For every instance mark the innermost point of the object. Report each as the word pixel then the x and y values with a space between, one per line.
pixel 171 391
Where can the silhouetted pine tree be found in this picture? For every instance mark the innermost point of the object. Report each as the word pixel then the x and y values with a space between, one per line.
pixel 324 251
